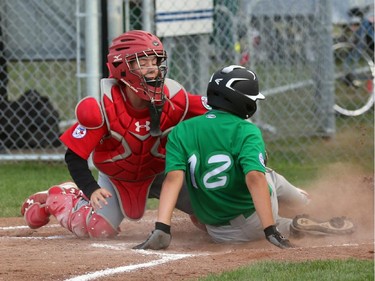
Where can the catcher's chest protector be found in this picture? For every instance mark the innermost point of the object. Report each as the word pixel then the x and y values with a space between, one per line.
pixel 131 157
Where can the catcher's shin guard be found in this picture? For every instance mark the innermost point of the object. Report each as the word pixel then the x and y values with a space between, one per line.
pixel 77 221
pixel 63 203
pixel 76 214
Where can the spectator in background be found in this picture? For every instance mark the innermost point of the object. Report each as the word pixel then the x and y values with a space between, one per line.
pixel 254 52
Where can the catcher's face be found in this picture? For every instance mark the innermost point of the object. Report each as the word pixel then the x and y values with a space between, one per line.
pixel 151 73
pixel 145 67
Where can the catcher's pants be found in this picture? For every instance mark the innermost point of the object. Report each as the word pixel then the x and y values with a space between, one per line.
pixel 243 229
pixel 113 213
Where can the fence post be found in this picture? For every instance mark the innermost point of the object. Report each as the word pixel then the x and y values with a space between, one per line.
pixel 3 68
pixel 325 96
pixel 147 15
pixel 92 56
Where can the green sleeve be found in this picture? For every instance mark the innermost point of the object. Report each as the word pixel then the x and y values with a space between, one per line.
pixel 175 158
pixel 252 153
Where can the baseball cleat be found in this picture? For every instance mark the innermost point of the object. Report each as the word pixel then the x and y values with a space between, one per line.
pixel 39 197
pixel 303 224
pixel 34 210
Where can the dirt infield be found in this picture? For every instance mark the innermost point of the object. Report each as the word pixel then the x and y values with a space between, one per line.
pixel 52 253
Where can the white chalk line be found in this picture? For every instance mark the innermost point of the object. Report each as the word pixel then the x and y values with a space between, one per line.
pixel 54 237
pixel 57 225
pixel 118 247
pixel 165 258
pixel 24 227
pixel 339 245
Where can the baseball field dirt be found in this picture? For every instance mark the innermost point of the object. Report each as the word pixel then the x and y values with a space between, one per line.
pixel 53 253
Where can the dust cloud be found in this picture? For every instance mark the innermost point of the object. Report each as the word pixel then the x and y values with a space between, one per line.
pixel 344 190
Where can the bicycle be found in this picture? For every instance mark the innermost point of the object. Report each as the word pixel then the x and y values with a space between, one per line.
pixel 355 70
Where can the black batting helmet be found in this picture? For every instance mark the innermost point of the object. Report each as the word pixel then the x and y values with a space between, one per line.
pixel 235 89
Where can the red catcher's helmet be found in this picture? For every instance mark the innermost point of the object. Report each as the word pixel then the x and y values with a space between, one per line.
pixel 129 47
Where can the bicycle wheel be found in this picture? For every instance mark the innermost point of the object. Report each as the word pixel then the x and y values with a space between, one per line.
pixel 354 80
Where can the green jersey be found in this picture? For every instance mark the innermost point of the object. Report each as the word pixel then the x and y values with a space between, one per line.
pixel 216 151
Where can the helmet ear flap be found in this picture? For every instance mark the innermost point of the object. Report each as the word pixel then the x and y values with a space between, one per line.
pixel 251 108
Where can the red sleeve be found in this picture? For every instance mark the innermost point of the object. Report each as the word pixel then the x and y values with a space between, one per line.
pixel 81 140
pixel 197 105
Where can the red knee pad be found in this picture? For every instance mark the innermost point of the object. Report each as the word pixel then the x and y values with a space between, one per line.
pixel 36 215
pixel 99 227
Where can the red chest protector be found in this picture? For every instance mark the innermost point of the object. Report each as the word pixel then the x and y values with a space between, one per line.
pixel 130 156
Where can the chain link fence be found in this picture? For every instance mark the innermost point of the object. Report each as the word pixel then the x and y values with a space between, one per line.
pixel 47 57
pixel 40 43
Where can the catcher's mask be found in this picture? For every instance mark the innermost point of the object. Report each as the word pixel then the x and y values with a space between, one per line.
pixel 125 63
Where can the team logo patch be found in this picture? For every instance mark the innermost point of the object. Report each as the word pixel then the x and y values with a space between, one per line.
pixel 139 126
pixel 261 159
pixel 79 132
pixel 204 103
pixel 117 58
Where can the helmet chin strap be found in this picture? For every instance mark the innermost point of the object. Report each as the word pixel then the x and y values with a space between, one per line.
pixel 155 107
pixel 155 113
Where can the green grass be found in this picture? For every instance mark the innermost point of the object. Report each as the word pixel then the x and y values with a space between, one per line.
pixel 329 270
pixel 18 180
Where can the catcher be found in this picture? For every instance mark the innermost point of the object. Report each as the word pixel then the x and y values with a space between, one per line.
pixel 222 158
pixel 125 132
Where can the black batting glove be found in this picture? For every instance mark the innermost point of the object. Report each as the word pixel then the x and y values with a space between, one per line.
pixel 276 238
pixel 160 238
